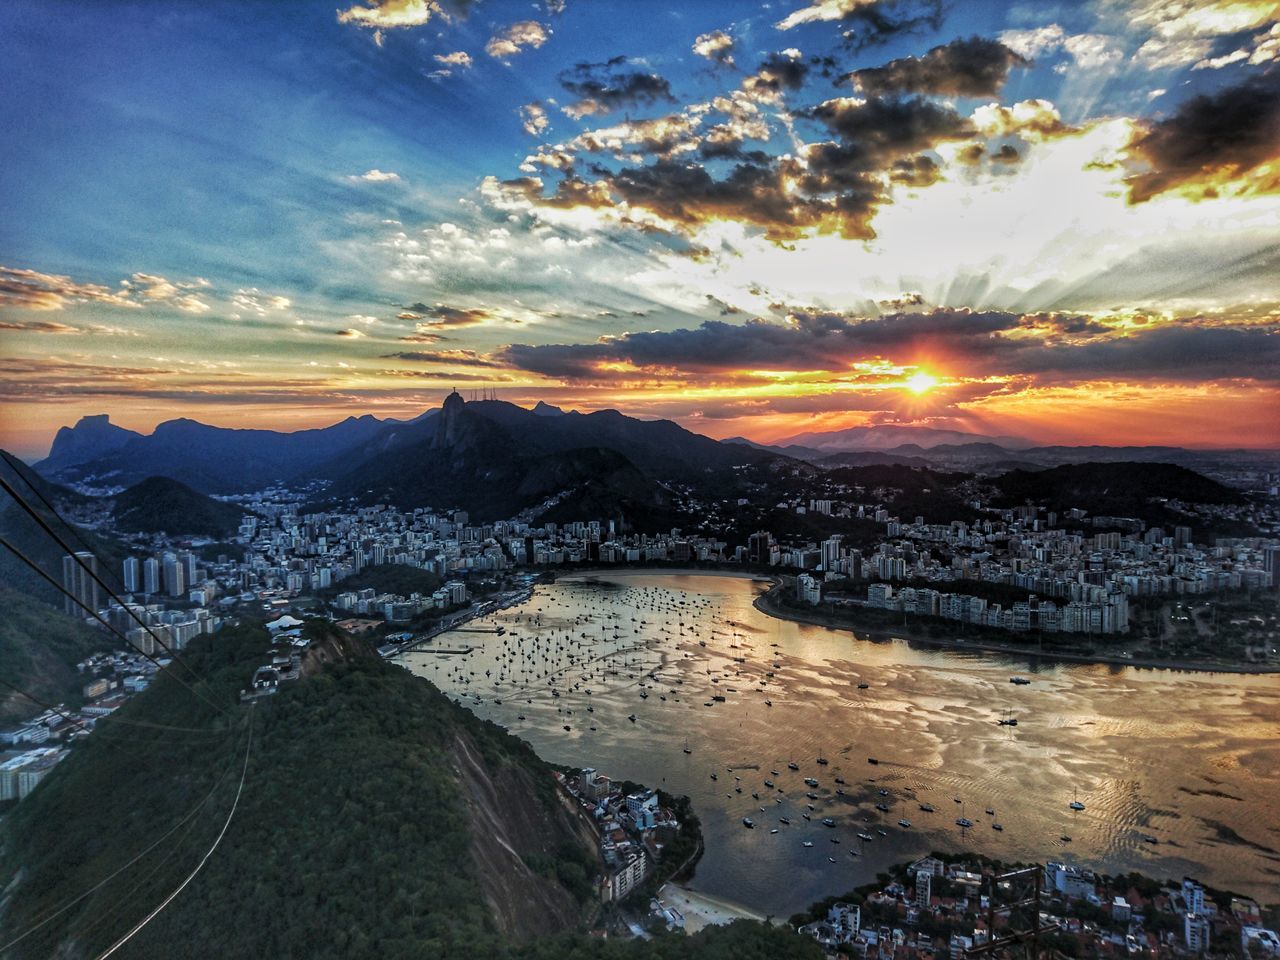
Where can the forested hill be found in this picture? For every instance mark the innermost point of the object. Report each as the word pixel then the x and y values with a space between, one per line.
pixel 162 505
pixel 377 819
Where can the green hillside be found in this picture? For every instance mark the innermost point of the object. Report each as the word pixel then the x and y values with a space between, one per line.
pixel 162 505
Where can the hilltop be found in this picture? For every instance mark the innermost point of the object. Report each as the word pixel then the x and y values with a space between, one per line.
pixel 163 505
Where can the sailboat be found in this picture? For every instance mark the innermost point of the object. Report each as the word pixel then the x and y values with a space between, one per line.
pixel 686 745
pixel 1075 803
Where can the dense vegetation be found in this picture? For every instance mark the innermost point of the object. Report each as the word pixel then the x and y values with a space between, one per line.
pixel 161 505
pixel 39 650
pixel 397 578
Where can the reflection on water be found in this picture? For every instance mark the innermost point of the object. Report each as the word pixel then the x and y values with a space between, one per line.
pixel 1189 760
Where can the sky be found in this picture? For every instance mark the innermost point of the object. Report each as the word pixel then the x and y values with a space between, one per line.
pixel 1056 221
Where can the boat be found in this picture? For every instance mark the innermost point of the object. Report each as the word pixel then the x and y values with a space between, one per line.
pixel 882 831
pixel 1147 838
pixel 807 844
pixel 884 792
pixel 882 807
pixel 769 784
pixel 832 859
pixel 840 780
pixel 964 822
pixel 904 823
pixel 714 777
pixel 774 772
pixel 686 747
pixel 810 782
pixel 866 837
pixel 632 718
pixel 748 823
pixel 1020 681
pixel 927 807
pixel 996 826
pixel 872 760
pixel 1064 838
pixel 768 703
pixel 806 816
pixel 793 765
pixel 774 830
pixel 821 761
pixel 863 686
pixel 786 821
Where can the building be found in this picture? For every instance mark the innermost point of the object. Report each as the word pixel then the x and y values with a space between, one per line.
pixel 1196 932
pixel 132 575
pixel 151 576
pixel 924 889
pixel 78 572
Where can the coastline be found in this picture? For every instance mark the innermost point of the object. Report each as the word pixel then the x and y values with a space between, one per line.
pixel 819 619
pixel 702 910
pixel 665 572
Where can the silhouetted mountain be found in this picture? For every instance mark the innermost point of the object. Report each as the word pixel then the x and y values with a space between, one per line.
pixel 217 459
pixel 868 458
pixel 495 459
pixel 90 438
pixel 889 437
pixel 163 505
pixel 1113 489
pixel 543 409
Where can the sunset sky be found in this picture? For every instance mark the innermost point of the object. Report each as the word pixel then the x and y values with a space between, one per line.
pixel 1059 221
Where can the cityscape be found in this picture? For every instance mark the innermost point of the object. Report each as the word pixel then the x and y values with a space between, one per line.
pixel 609 481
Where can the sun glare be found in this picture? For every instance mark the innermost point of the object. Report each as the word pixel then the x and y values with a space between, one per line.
pixel 920 382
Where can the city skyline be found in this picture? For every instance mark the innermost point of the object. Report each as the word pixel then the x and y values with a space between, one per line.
pixel 754 219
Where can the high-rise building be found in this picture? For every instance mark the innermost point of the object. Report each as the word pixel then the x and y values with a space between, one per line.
pixel 132 574
pixel 79 583
pixel 924 889
pixel 151 575
pixel 174 579
pixel 759 546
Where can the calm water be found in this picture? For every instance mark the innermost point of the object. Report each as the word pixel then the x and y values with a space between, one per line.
pixel 1190 759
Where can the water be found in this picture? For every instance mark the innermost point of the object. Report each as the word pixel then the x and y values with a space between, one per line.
pixel 1191 759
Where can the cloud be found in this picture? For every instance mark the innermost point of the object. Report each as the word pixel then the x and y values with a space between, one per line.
pixel 1227 142
pixel 1033 42
pixel 39 326
pixel 604 87
pixel 375 176
pixel 868 22
pixel 777 72
pixel 716 45
pixel 458 58
pixel 383 14
pixel 466 358
pixel 972 67
pixel 351 333
pixel 511 40
pixel 32 290
pixel 441 315
pixel 533 118
pixel 1048 348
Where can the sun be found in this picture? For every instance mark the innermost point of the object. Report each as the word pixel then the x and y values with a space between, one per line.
pixel 920 382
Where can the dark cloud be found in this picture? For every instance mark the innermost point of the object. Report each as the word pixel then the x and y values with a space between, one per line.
pixel 603 87
pixel 1050 348
pixel 466 358
pixel 1211 140
pixel 877 130
pixel 776 73
pixel 867 23
pixel 919 171
pixel 442 315
pixel 972 67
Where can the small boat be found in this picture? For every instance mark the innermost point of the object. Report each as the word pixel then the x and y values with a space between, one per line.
pixel 882 831
pixel 748 823
pixel 793 765
pixel 807 844
pixel 812 796
pixel 872 760
pixel 882 807
pixel 883 792
pixel 785 821
pixel 810 782
pixel 964 822
pixel 806 816
pixel 863 686
pixel 566 726
pixel 774 772
pixel 1020 681
pixel 520 716
pixel 840 780
pixel 821 761
pixel 1147 838
pixel 866 837
pixel 769 784
pixel 904 823
pixel 832 859
pixel 714 777
pixel 927 807
pixel 632 718
pixel 835 839
pixel 997 826
pixel 1064 838
pixel 774 830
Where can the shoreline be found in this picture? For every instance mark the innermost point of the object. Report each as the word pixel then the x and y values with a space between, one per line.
pixel 701 910
pixel 818 619
pixel 665 572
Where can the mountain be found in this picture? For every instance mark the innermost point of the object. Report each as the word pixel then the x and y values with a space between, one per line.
pixel 1112 489
pixel 212 459
pixel 887 437
pixel 27 535
pixel 375 819
pixel 91 438
pixel 543 409
pixel 495 459
pixel 39 650
pixel 162 505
